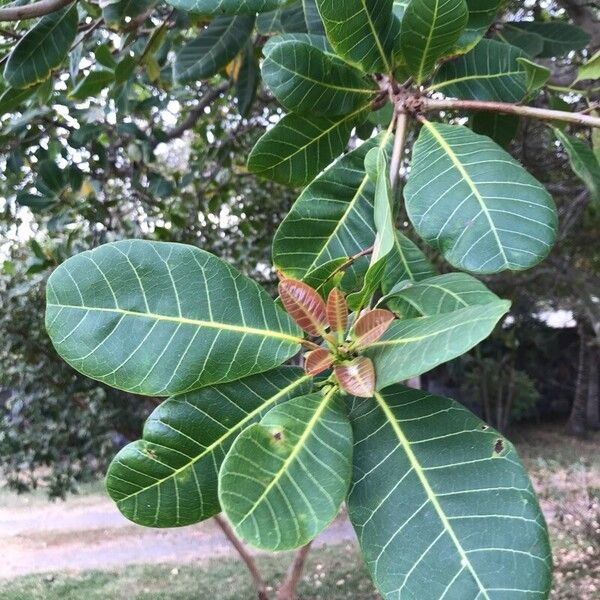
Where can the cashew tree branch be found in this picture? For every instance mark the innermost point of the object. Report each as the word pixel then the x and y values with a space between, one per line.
pixel 428 105
pixel 30 11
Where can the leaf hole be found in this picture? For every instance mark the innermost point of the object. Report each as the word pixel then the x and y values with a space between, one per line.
pixel 499 446
pixel 484 427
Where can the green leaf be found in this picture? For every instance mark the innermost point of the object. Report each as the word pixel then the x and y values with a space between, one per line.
pixel 284 479
pixel 430 29
pixel 482 14
pixel 491 71
pixel 441 504
pixel 415 346
pixel 228 7
pixel 558 38
pixel 583 162
pixel 213 48
pixel 282 20
pixel 161 319
pixel 169 478
pixel 363 32
pixel 406 263
pixel 537 75
pixel 12 98
pixel 312 17
pixel 531 43
pixel 307 80
pixel 501 128
pixel 119 12
pixel 332 218
pixel 92 84
pixel 248 80
pixel 490 214
pixel 590 69
pixel 437 295
pixel 384 231
pixel 299 147
pixel 318 41
pixel 42 48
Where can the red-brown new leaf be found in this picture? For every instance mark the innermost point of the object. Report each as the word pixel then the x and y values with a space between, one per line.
pixel 304 305
pixel 318 361
pixel 357 378
pixel 337 311
pixel 371 326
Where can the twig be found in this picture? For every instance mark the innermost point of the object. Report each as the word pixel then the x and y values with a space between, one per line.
pixel 398 151
pixel 196 113
pixel 287 590
pixel 29 11
pixel 515 109
pixel 259 584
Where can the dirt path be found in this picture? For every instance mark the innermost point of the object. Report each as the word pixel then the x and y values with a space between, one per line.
pixel 89 533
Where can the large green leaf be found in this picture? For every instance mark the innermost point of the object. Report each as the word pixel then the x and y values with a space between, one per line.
pixel 307 80
pixel 437 295
pixel 161 319
pixel 558 38
pixel 441 504
pixel 228 7
pixel 332 218
pixel 531 43
pixel 490 71
pixel 299 147
pixel 363 32
pixel 42 48
pixel 213 48
pixel 471 200
pixel 430 29
pixel 406 263
pixel 583 162
pixel 169 478
pixel 415 346
pixel 312 17
pixel 482 14
pixel 284 479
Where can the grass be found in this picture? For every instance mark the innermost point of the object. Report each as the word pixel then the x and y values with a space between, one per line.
pixel 334 573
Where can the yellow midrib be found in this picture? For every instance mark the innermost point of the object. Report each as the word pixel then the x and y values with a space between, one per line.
pixel 293 454
pixel 220 440
pixel 416 465
pixel 184 321
pixel 467 178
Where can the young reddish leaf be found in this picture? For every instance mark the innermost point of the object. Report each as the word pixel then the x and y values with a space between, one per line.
pixel 304 305
pixel 371 326
pixel 337 311
pixel 318 361
pixel 358 377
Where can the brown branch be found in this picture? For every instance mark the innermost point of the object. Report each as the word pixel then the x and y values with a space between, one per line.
pixel 543 114
pixel 287 590
pixel 259 584
pixel 196 113
pixel 30 11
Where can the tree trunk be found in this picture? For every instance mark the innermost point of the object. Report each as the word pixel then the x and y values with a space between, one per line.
pixel 593 401
pixel 577 420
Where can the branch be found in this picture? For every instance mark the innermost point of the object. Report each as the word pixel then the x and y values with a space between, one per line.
pixel 196 113
pixel 287 590
pixel 259 584
pixel 398 151
pixel 29 11
pixel 514 109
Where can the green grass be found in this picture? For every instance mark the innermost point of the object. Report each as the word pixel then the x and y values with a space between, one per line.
pixel 334 573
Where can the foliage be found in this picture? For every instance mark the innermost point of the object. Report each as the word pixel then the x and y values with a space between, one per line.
pixel 419 472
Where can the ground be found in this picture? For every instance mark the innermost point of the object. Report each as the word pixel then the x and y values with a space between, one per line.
pixel 78 549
